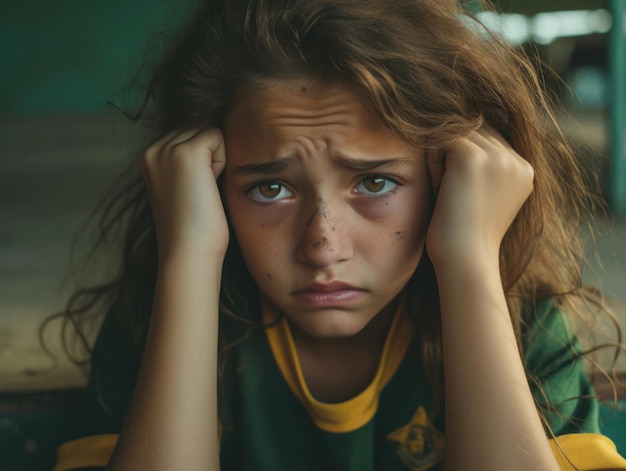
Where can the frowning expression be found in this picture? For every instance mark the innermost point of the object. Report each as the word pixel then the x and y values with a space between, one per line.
pixel 329 207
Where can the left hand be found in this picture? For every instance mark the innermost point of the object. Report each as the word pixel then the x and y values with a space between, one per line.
pixel 481 183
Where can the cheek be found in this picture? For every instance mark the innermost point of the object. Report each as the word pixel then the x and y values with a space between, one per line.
pixel 405 233
pixel 412 216
pixel 261 244
pixel 253 224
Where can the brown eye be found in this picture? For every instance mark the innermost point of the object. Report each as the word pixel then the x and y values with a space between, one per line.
pixel 269 191
pixel 374 184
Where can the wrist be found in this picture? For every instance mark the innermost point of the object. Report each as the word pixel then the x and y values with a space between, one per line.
pixel 467 264
pixel 200 260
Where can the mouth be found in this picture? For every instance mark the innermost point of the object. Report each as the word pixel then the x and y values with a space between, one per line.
pixel 326 287
pixel 333 294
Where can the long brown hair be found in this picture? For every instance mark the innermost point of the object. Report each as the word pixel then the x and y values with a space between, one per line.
pixel 429 71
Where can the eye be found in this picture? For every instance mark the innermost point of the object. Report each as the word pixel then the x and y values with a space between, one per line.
pixel 268 192
pixel 376 185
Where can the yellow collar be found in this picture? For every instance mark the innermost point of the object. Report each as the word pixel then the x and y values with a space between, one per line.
pixel 351 414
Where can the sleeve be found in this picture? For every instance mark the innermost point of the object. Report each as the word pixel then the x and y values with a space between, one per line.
pixel 565 394
pixel 112 378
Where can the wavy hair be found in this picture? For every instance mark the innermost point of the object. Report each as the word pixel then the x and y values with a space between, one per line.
pixel 429 71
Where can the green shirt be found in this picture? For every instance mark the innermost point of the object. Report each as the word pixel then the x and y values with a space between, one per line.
pixel 272 422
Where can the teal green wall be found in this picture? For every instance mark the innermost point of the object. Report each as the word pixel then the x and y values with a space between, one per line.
pixel 73 55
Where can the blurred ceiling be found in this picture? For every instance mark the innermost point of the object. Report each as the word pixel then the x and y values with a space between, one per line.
pixel 530 7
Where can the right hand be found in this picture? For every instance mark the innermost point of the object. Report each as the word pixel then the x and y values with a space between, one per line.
pixel 481 183
pixel 180 171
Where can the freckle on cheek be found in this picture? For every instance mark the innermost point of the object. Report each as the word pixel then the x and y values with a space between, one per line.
pixel 269 276
pixel 400 235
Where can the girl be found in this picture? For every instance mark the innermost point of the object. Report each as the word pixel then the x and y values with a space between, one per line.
pixel 352 247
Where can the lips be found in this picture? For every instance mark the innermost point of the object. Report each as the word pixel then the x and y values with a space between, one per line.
pixel 326 287
pixel 333 294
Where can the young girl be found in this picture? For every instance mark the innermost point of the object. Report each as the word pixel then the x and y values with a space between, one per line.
pixel 353 246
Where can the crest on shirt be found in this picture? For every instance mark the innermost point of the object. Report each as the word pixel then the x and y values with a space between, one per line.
pixel 420 444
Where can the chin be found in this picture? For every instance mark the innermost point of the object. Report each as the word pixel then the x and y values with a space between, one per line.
pixel 329 324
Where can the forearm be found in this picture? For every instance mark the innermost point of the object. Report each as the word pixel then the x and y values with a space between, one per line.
pixel 491 420
pixel 172 421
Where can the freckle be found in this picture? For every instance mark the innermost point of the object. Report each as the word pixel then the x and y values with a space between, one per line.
pixel 400 235
pixel 321 243
pixel 304 90
pixel 269 276
pixel 311 218
pixel 333 229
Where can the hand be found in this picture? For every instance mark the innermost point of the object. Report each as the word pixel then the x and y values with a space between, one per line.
pixel 180 171
pixel 481 183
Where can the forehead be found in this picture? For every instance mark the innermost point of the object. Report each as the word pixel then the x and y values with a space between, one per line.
pixel 283 112
pixel 298 99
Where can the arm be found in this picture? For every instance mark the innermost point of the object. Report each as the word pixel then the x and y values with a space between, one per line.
pixel 491 420
pixel 172 422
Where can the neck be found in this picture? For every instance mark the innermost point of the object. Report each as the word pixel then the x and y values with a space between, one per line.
pixel 338 369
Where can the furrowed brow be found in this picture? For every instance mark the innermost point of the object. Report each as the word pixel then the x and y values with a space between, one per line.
pixel 265 168
pixel 359 165
pixel 366 165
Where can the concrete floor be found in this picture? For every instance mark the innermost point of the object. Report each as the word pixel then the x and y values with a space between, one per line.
pixel 53 171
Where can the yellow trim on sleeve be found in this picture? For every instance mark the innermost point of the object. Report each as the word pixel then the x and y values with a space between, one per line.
pixel 87 452
pixel 587 452
pixel 354 413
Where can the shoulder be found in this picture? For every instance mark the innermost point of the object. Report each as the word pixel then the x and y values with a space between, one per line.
pixel 548 337
pixel 555 367
pixel 114 368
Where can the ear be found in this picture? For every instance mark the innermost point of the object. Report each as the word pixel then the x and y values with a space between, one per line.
pixel 436 162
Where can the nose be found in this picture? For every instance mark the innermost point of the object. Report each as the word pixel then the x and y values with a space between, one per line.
pixel 325 236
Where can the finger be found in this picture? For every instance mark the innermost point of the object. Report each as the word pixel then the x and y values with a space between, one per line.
pixel 157 147
pixel 218 151
pixel 182 136
pixel 164 141
pixel 435 160
pixel 488 137
pixel 208 142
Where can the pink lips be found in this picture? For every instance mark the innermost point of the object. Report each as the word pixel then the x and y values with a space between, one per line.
pixel 334 294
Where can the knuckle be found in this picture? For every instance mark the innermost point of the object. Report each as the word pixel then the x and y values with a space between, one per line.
pixel 147 161
pixel 215 134
pixel 150 153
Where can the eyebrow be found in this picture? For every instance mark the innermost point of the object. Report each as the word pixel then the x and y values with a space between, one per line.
pixel 277 166
pixel 365 165
pixel 266 168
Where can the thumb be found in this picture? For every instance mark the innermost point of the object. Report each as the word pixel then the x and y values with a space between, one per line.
pixel 218 151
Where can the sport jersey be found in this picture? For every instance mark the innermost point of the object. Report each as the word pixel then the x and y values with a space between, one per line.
pixel 274 423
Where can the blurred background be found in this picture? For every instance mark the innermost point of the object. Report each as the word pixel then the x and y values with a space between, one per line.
pixel 61 146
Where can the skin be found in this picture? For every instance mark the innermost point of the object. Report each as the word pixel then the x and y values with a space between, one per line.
pixel 331 211
pixel 322 230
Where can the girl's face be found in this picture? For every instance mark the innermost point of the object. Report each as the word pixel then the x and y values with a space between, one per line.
pixel 330 209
